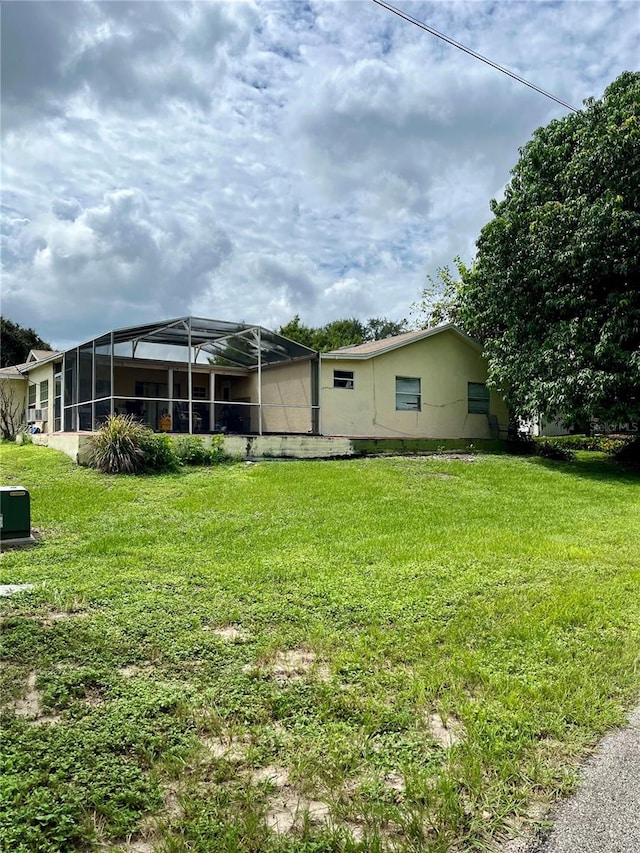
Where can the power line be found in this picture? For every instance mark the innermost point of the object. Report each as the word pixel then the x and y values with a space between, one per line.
pixel 468 50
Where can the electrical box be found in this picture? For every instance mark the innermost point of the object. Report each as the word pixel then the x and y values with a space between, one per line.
pixel 15 513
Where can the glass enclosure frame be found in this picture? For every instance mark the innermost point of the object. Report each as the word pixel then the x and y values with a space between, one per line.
pixel 184 375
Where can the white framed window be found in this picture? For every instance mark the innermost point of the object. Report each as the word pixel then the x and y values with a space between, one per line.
pixel 32 395
pixel 44 394
pixel 343 379
pixel 408 394
pixel 478 398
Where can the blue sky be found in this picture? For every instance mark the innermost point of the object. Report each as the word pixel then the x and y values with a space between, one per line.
pixel 250 161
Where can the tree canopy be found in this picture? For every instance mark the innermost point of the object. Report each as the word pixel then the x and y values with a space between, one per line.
pixel 341 333
pixel 16 341
pixel 554 291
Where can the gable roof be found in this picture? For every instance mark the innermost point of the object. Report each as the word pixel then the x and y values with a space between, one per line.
pixel 40 354
pixel 373 348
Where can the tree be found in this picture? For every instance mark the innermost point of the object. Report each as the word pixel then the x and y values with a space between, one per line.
pixel 10 411
pixel 554 292
pixel 16 342
pixel 340 333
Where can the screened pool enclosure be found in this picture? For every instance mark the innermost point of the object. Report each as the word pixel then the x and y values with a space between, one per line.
pixel 190 375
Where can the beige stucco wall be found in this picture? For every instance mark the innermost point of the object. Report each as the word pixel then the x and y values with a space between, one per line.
pixel 444 363
pixel 41 374
pixel 16 395
pixel 285 385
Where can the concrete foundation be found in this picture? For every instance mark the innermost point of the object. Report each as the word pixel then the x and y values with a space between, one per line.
pixel 77 446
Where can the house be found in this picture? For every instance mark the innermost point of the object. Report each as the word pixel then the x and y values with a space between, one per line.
pixel 430 383
pixel 196 375
pixel 185 375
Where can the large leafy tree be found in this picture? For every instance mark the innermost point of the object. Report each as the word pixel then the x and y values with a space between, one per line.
pixel 554 292
pixel 16 341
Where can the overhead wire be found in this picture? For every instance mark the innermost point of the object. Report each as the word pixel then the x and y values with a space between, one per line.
pixel 432 31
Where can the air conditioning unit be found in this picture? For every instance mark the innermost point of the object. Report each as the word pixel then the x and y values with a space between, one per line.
pixel 31 414
pixel 40 414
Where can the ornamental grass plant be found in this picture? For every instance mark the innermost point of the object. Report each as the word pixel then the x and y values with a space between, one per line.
pixel 118 446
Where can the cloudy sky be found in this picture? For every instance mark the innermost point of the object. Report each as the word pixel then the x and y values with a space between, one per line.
pixel 254 160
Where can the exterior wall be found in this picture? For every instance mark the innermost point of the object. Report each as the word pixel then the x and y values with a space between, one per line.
pixel 444 363
pixel 36 376
pixel 285 385
pixel 15 391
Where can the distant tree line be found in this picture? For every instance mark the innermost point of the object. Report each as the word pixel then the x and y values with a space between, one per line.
pixel 16 341
pixel 341 333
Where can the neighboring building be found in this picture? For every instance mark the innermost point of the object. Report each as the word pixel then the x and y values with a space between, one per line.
pixel 28 388
pixel 424 384
pixel 194 375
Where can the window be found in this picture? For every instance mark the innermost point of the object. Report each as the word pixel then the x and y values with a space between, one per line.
pixel 44 393
pixel 199 392
pixel 478 397
pixel 408 396
pixel 343 379
pixel 32 396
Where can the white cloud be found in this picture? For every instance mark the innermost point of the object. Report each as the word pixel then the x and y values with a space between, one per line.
pixel 252 161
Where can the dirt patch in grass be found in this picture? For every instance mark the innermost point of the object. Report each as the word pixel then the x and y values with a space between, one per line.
pixel 448 733
pixel 49 619
pixel 276 776
pixel 290 666
pixel 29 706
pixel 295 664
pixel 229 748
pixel 231 633
pixel 136 669
pixel 455 457
pixel 395 781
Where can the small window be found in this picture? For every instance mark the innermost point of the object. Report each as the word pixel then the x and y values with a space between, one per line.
pixel 32 396
pixel 478 395
pixel 408 397
pixel 44 393
pixel 199 392
pixel 343 379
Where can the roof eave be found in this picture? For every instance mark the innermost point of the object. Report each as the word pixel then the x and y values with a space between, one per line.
pixel 447 327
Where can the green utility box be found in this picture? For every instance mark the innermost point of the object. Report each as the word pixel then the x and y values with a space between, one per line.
pixel 15 513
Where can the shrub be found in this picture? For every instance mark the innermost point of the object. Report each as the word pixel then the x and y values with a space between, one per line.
pixel 554 450
pixel 190 450
pixel 521 445
pixel 603 443
pixel 217 454
pixel 158 453
pixel 117 447
pixel 629 454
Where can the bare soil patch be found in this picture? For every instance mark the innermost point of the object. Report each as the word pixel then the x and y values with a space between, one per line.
pixel 227 632
pixel 135 669
pixel 29 706
pixel 295 664
pixel 448 733
pixel 229 748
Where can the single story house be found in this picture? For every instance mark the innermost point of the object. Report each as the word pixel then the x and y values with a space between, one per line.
pixel 196 375
pixel 430 383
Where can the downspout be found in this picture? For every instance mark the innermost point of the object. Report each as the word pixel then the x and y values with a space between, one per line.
pixel 111 378
pixel 189 380
pixel 93 386
pixel 318 411
pixel 259 381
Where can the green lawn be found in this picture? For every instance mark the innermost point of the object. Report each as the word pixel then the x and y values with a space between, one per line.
pixel 379 654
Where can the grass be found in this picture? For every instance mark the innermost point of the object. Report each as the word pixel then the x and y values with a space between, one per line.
pixel 379 654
